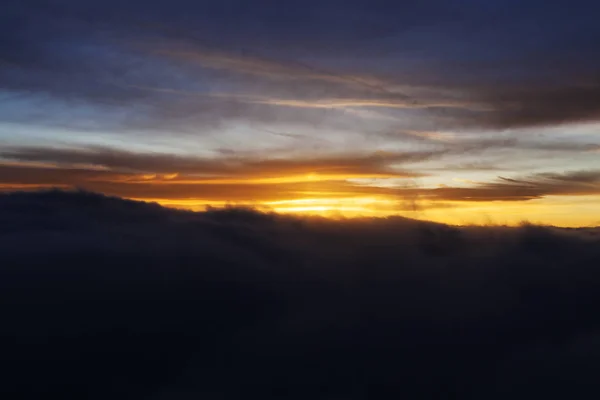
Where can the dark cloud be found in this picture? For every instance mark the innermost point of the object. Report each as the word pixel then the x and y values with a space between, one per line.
pixel 535 186
pixel 542 105
pixel 545 184
pixel 120 299
pixel 40 175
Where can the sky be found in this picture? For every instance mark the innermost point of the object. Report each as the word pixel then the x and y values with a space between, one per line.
pixel 459 112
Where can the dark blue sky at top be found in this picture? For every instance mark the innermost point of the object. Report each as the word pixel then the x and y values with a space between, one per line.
pixel 538 55
pixel 53 34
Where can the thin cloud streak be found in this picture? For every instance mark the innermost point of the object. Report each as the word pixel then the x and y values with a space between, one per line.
pixel 246 63
pixel 378 163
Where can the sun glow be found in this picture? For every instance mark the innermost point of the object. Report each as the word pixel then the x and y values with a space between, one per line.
pixel 348 207
pixel 559 211
pixel 337 195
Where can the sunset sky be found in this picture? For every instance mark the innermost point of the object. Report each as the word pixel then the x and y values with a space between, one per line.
pixel 454 111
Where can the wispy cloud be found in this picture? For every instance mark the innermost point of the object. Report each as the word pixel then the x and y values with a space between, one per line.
pixel 247 63
pixel 536 186
pixel 378 163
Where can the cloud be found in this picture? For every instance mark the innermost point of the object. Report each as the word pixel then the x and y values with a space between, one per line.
pixel 561 102
pixel 248 63
pixel 347 103
pixel 577 183
pixel 476 166
pixel 377 163
pixel 252 179
pixel 131 300
pixel 237 178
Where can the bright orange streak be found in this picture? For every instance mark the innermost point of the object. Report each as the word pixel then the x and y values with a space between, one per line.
pixel 559 211
pixel 314 177
pixel 333 196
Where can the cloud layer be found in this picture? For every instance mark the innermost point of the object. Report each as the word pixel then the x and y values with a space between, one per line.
pixel 120 299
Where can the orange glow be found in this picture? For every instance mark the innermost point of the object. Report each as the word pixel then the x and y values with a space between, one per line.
pixel 329 195
pixel 559 211
pixel 312 177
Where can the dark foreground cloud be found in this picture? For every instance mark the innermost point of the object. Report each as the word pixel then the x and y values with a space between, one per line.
pixel 108 298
